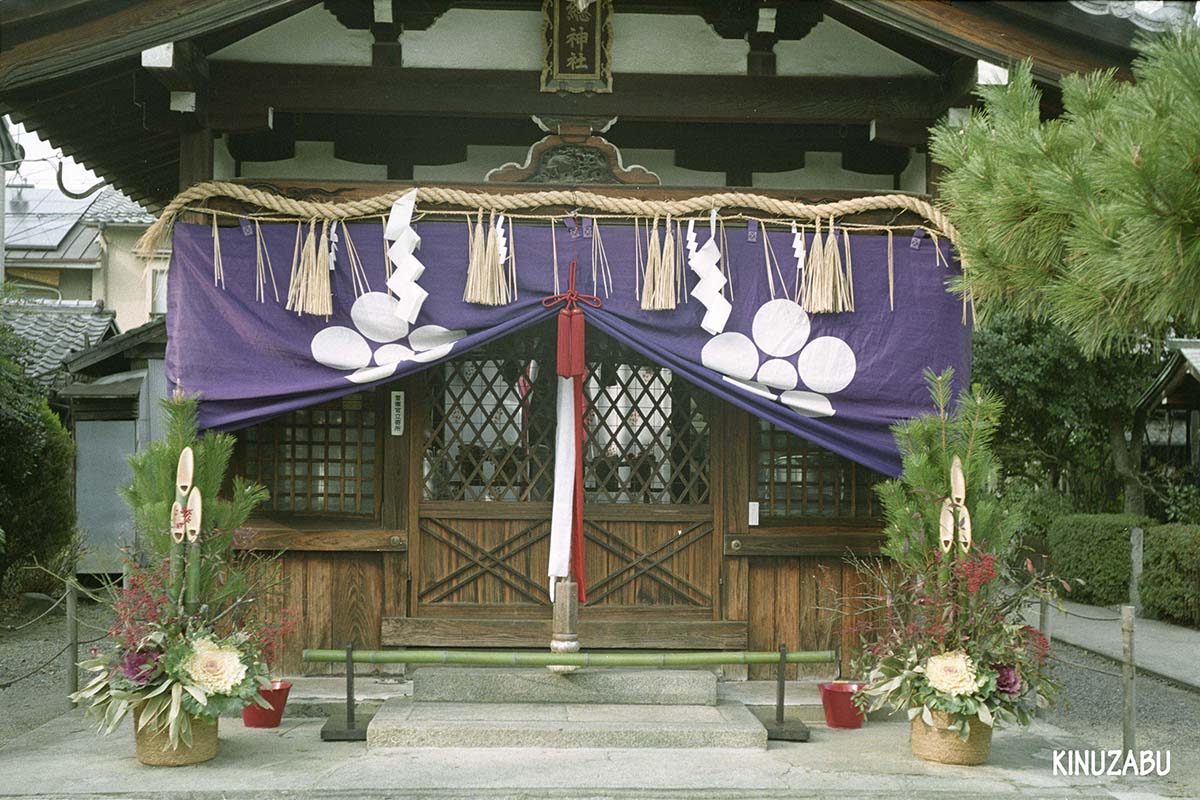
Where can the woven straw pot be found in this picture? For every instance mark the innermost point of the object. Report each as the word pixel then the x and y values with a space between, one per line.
pixel 945 747
pixel 154 746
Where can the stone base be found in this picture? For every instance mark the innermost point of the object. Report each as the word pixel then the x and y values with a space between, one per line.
pixel 404 723
pixel 537 685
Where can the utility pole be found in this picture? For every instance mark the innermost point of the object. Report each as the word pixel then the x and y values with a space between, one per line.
pixel 11 155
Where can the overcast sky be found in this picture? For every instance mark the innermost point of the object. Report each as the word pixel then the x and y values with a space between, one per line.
pixel 41 173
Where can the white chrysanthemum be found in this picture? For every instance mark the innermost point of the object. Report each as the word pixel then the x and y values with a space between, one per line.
pixel 215 669
pixel 951 673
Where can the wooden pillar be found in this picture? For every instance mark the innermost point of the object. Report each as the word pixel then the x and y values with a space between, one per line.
pixel 731 487
pixel 195 156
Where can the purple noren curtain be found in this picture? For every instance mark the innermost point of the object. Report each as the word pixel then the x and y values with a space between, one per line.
pixel 839 380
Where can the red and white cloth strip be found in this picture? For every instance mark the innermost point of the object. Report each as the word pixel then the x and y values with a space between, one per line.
pixel 566 519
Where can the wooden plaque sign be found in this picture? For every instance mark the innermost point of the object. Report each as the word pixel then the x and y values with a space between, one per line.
pixel 578 46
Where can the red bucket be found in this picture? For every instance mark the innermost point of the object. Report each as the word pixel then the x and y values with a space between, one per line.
pixel 255 716
pixel 838 700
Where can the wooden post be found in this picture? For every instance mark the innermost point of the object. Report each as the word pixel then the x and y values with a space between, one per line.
pixel 565 633
pixel 1136 537
pixel 1128 677
pixel 1044 618
pixel 71 656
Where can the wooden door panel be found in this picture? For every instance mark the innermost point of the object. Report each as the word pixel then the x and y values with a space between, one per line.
pixel 474 564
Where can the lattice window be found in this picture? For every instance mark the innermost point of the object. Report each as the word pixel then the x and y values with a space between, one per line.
pixel 493 424
pixel 319 459
pixel 798 479
pixel 647 431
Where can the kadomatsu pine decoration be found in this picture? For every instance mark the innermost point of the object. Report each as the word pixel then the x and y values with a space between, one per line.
pixel 185 645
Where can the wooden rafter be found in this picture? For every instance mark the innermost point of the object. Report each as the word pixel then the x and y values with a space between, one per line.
pixel 123 34
pixel 967 29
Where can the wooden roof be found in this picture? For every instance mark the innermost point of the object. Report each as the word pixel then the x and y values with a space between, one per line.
pixel 70 70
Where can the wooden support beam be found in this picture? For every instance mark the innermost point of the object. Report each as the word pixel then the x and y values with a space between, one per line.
pixel 180 66
pixel 818 542
pixel 239 88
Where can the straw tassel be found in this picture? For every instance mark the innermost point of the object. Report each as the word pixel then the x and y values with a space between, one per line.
pixel 218 266
pixel 310 290
pixel 659 282
pixel 826 284
pixel 891 264
pixel 262 267
pixel 487 282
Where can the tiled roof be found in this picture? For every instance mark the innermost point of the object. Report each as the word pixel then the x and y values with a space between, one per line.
pixel 113 208
pixel 56 328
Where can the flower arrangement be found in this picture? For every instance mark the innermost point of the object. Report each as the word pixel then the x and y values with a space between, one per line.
pixel 185 646
pixel 944 636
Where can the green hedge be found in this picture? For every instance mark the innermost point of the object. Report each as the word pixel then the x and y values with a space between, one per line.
pixel 1094 549
pixel 1170 585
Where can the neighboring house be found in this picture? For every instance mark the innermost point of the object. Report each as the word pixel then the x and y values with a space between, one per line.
pixel 56 328
pixel 1172 408
pixel 113 403
pixel 62 248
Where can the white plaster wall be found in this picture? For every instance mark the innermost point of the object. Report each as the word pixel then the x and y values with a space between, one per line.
pixel 662 162
pixel 673 44
pixel 495 39
pixel 477 39
pixel 913 177
pixel 223 163
pixel 480 159
pixel 832 48
pixel 821 171
pixel 125 282
pixel 314 161
pixel 313 36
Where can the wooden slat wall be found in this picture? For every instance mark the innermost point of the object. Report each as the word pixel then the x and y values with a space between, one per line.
pixel 335 598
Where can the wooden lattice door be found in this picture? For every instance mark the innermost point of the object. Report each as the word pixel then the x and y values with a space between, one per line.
pixel 487 483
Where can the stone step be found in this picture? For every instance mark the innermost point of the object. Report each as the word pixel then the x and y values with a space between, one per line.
pixel 401 722
pixel 539 685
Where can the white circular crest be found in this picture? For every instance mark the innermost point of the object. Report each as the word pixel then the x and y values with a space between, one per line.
pixel 780 328
pixel 339 347
pixel 808 404
pixel 392 354
pixel 731 354
pixel 778 373
pixel 827 365
pixel 374 315
pixel 428 337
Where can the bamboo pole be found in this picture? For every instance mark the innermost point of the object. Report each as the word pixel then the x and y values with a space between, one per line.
pixel 540 659
pixel 71 655
pixel 1128 677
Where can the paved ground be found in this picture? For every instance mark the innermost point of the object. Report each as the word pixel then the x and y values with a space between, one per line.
pixel 1168 717
pixel 1169 651
pixel 64 759
pixel 30 702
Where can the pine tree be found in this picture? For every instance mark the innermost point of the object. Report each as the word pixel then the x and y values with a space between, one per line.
pixel 912 503
pixel 1091 220
pixel 151 492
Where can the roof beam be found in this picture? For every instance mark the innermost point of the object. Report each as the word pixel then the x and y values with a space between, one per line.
pixel 966 29
pixel 238 89
pixel 124 33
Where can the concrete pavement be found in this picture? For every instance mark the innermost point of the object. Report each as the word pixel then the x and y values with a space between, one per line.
pixel 65 759
pixel 1171 652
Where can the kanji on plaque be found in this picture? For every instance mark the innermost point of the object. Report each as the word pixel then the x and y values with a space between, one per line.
pixel 578 42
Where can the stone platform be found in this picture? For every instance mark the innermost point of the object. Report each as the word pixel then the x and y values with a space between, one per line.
pixel 406 723
pixel 538 685
pixel 466 707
